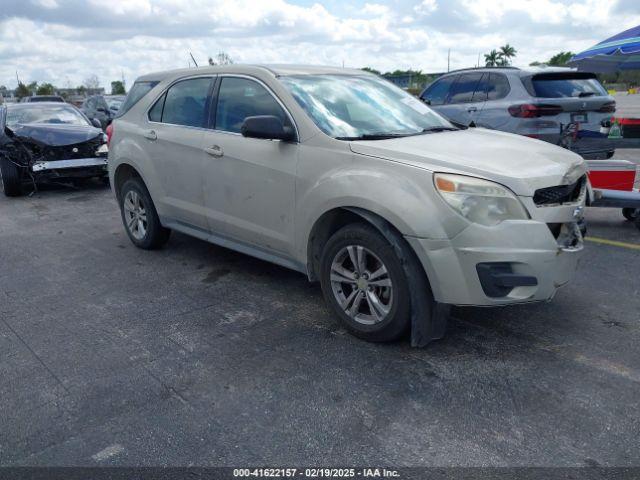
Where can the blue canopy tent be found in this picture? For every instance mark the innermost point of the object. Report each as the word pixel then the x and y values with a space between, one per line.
pixel 620 52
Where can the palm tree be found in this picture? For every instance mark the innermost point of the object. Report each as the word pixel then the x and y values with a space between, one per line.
pixel 492 58
pixel 507 52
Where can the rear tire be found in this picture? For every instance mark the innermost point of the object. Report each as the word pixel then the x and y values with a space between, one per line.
pixel 139 216
pixel 364 282
pixel 10 178
pixel 630 214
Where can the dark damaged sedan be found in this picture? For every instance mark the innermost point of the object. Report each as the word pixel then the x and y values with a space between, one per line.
pixel 42 142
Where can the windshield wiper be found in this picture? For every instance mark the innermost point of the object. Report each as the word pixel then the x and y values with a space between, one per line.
pixel 439 129
pixel 376 136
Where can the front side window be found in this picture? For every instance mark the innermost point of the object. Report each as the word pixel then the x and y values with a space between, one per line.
pixel 437 93
pixel 240 98
pixel 63 115
pixel 361 106
pixel 185 103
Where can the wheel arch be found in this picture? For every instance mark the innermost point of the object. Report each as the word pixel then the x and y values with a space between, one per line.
pixel 428 317
pixel 124 172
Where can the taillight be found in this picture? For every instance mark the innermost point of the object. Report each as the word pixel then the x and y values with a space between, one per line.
pixel 609 107
pixel 109 132
pixel 528 110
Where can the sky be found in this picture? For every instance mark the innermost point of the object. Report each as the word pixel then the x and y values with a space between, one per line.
pixel 66 41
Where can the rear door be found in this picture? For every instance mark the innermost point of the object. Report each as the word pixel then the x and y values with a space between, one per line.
pixel 173 138
pixel 494 114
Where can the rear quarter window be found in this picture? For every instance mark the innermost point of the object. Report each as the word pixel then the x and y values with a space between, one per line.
pixel 139 90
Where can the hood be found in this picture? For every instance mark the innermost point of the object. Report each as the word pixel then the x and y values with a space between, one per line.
pixel 520 163
pixel 55 135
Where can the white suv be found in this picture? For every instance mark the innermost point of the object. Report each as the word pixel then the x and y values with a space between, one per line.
pixel 340 175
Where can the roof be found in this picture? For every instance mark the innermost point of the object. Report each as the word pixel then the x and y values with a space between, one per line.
pixel 523 72
pixel 276 70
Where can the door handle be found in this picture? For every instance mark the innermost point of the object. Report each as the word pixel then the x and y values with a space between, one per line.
pixel 150 134
pixel 215 151
pixel 472 109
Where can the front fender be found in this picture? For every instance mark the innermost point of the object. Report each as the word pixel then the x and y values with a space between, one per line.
pixel 402 195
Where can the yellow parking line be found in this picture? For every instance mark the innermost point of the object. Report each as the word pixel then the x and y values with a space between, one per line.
pixel 613 243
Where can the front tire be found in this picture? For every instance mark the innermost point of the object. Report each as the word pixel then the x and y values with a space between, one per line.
pixel 10 179
pixel 140 217
pixel 365 284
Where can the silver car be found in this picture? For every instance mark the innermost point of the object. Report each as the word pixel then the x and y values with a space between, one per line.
pixel 346 178
pixel 537 102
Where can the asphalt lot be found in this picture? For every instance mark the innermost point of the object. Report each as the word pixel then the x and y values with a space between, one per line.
pixel 197 355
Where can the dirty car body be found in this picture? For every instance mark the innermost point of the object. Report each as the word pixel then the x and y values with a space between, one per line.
pixel 49 141
pixel 348 164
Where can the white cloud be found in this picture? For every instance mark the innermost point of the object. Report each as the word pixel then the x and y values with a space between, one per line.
pixel 65 41
pixel 426 7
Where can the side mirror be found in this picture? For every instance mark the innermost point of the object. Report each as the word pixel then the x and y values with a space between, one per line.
pixel 96 123
pixel 268 127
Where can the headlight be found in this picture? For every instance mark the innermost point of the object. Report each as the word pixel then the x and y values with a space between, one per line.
pixel 479 201
pixel 102 149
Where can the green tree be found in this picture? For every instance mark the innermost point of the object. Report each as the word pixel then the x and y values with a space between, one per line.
pixel 117 88
pixel 507 52
pixel 45 89
pixel 492 59
pixel 371 70
pixel 560 59
pixel 22 90
pixel 221 58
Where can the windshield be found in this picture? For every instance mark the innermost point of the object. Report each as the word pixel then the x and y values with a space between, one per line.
pixel 63 114
pixel 356 106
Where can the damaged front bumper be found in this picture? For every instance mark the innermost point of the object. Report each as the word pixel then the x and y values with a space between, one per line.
pixel 75 163
pixel 515 262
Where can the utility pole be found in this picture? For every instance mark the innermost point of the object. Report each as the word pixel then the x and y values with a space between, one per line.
pixel 449 61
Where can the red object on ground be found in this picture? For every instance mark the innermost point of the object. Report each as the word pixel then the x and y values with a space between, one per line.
pixel 612 174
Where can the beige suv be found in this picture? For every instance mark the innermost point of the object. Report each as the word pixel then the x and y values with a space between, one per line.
pixel 340 175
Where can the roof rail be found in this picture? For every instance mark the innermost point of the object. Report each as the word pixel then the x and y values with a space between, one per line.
pixel 482 68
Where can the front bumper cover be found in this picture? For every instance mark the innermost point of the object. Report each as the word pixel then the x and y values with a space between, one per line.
pixel 67 164
pixel 527 246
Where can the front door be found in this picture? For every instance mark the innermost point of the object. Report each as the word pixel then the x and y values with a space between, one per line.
pixel 249 183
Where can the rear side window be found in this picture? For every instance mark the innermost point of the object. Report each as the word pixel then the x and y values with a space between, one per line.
pixel 463 90
pixel 497 87
pixel 438 92
pixel 185 103
pixel 569 85
pixel 138 90
pixel 240 98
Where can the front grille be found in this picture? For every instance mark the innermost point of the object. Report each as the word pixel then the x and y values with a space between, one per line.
pixel 66 152
pixel 560 194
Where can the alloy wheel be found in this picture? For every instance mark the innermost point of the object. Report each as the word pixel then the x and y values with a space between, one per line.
pixel 361 285
pixel 135 215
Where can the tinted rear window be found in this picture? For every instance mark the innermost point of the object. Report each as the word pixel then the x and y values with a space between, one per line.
pixel 139 90
pixel 566 86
